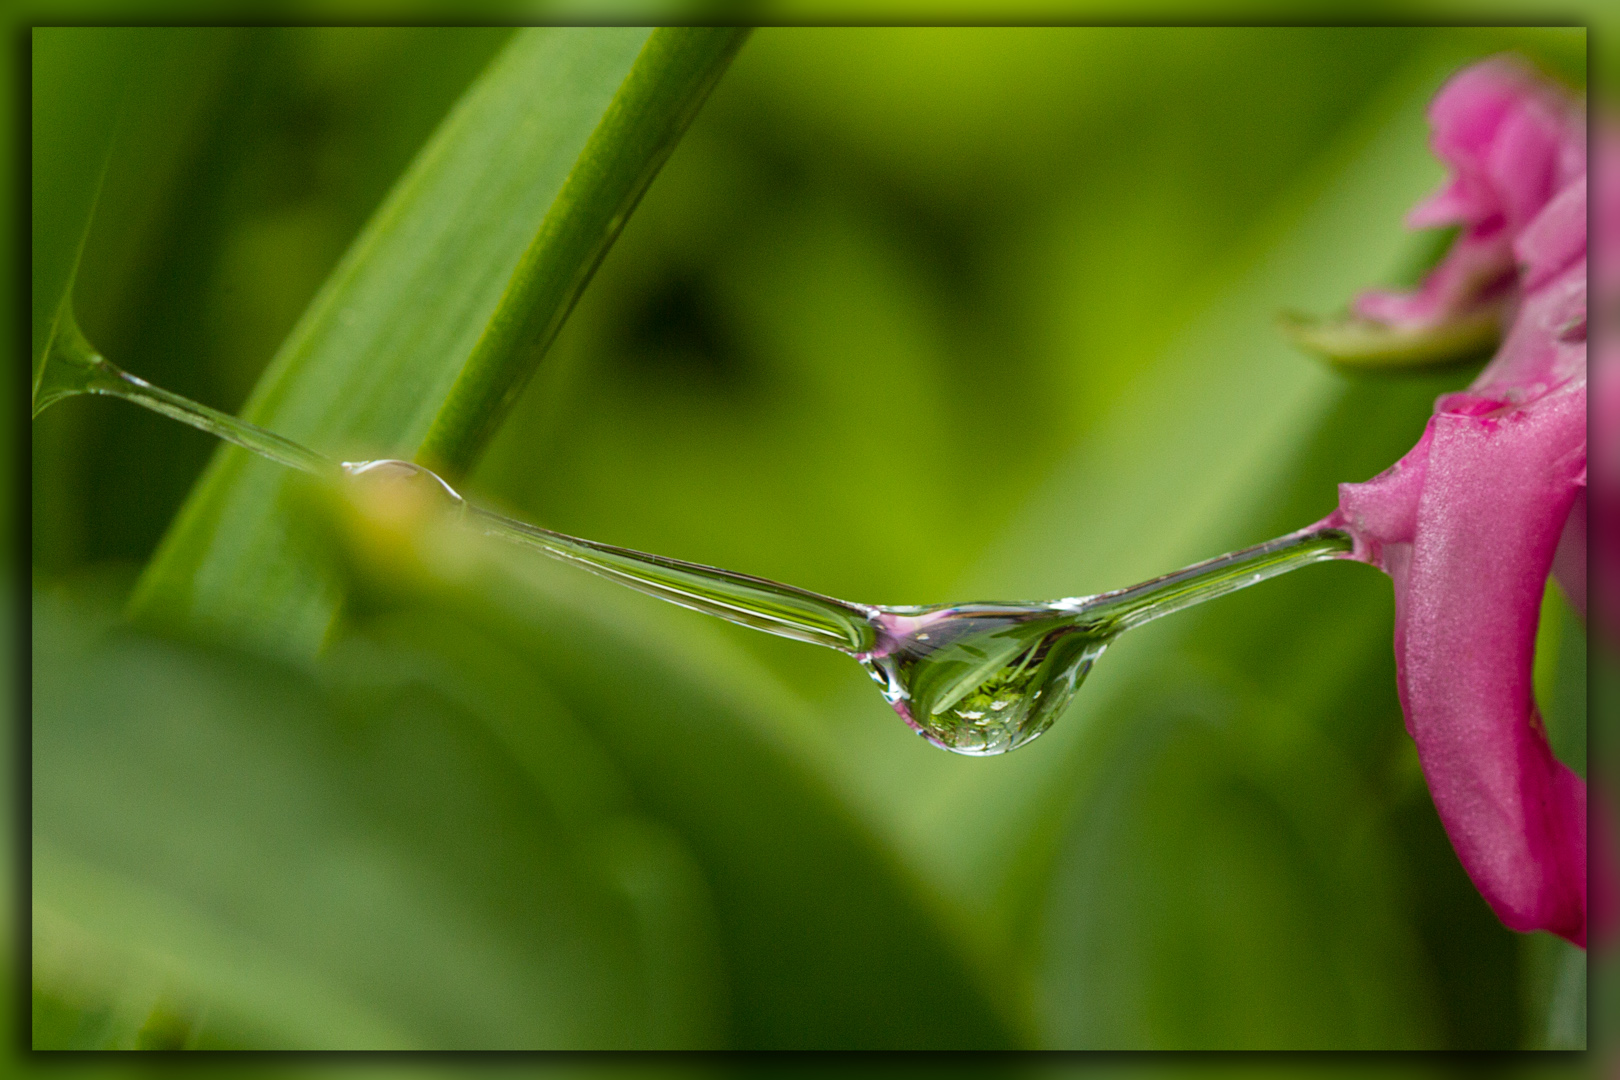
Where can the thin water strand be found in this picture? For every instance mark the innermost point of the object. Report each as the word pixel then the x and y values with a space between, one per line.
pixel 975 679
pixel 74 367
pixel 755 602
pixel 1138 604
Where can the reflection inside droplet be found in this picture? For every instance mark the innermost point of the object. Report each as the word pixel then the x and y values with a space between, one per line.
pixel 975 681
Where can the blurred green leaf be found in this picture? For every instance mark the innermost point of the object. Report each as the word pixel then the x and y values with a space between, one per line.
pixel 397 853
pixel 384 346
pixel 1560 678
pixel 1556 992
pixel 1201 894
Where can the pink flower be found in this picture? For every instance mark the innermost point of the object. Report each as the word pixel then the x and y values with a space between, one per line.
pixel 1472 520
pixel 1513 143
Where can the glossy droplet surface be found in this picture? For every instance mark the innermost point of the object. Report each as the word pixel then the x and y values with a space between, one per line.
pixel 982 678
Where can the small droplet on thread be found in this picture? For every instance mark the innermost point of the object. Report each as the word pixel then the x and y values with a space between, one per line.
pixel 404 476
pixel 400 496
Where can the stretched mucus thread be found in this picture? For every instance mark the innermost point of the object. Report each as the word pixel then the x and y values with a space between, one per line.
pixel 978 679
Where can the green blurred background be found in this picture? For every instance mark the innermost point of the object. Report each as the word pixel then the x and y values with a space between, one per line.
pixel 910 316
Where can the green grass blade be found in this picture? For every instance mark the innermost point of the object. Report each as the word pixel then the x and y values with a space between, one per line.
pixel 78 80
pixel 657 101
pixel 480 230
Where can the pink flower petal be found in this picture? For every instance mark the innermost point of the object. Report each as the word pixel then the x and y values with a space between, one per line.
pixel 1466 526
pixel 1555 238
pixel 1472 520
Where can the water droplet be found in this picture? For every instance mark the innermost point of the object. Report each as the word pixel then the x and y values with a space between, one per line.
pixel 975 681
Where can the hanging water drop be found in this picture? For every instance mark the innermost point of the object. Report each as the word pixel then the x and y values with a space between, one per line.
pixel 974 681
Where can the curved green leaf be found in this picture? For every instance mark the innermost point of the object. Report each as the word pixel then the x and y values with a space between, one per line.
pixel 448 269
